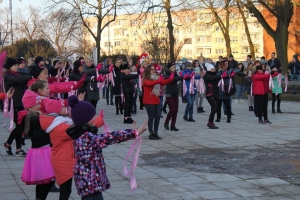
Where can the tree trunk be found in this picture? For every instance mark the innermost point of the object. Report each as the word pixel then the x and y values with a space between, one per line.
pixel 281 41
pixel 170 29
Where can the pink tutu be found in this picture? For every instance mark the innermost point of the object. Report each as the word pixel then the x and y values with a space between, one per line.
pixel 38 167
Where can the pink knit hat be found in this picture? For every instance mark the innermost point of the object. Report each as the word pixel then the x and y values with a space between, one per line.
pixel 30 99
pixel 51 105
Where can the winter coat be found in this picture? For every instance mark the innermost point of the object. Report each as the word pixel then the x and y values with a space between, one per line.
pixel 127 81
pixel 188 83
pixel 211 80
pixel 116 89
pixel 62 153
pixel 276 63
pixel 226 80
pixel 18 82
pixel 232 64
pixel 294 67
pixel 92 87
pixel 277 89
pixel 90 171
pixel 239 77
pixel 148 97
pixel 172 88
pixel 259 80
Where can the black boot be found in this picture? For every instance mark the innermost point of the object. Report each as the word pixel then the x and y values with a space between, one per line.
pixel 54 188
pixel 164 109
pixel 152 137
pixel 166 126
pixel 273 110
pixel 157 136
pixel 201 109
pixel 121 111
pixel 228 120
pixel 211 125
pixel 251 108
pixel 127 120
pixel 278 110
pixel 117 112
pixel 198 110
pixel 173 128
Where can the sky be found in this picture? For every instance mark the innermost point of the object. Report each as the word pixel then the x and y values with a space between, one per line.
pixel 16 4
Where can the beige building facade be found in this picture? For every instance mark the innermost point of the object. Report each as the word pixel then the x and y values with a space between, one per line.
pixel 194 32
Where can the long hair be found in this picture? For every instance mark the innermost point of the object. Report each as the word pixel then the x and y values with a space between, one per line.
pixel 147 74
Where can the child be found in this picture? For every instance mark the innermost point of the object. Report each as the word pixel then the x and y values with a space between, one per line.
pixel 90 172
pixel 55 122
pixel 37 167
pixel 276 90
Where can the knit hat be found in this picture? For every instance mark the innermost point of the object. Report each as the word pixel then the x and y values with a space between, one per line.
pixel 51 105
pixel 183 59
pixel 125 66
pixel 169 65
pixel 36 70
pixel 10 62
pixel 21 60
pixel 76 65
pixel 30 99
pixel 38 59
pixel 81 111
pixel 209 66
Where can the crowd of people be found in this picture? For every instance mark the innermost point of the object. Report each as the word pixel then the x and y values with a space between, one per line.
pixel 55 104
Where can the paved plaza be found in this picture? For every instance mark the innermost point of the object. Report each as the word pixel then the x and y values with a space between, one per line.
pixel 241 160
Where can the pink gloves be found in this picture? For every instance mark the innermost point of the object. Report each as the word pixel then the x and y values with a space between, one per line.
pixel 192 75
pixel 80 82
pixel 99 66
pixel 224 74
pixel 186 76
pixel 111 68
pixel 100 78
pixel 232 74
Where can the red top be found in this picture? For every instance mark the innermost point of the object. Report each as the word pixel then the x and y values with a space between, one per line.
pixel 260 83
pixel 150 98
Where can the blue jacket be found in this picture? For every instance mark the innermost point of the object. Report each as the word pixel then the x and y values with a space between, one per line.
pixel 188 81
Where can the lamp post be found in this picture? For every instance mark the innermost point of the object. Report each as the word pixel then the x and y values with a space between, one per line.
pixel 10 10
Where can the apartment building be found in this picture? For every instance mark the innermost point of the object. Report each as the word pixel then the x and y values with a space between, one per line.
pixel 195 34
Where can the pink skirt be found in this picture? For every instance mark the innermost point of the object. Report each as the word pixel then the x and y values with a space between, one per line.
pixel 38 167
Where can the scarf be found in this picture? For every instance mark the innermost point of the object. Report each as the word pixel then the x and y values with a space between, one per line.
pixel 156 88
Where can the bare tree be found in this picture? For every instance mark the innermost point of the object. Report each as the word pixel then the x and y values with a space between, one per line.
pixel 29 26
pixel 5 29
pixel 88 9
pixel 61 28
pixel 280 11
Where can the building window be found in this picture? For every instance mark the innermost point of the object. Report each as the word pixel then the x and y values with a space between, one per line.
pixel 146 32
pixel 187 40
pixel 217 28
pixel 219 39
pixel 203 50
pixel 121 22
pixel 234 50
pixel 107 44
pixel 233 27
pixel 255 37
pixel 188 52
pixel 244 38
pixel 203 39
pixel 119 32
pixel 246 50
pixel 134 22
pixel 234 39
pixel 219 51
pixel 117 43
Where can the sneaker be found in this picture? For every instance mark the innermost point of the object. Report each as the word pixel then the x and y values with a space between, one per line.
pixel 267 121
pixel 191 120
pixel 212 125
pixel 217 120
pixel 185 118
pixel 236 101
pixel 8 149
pixel 152 137
pixel 21 153
pixel 241 101
pixel 260 121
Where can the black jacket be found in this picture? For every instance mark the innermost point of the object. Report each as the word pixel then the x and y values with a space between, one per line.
pixel 211 80
pixel 172 88
pixel 128 82
pixel 294 67
pixel 19 83
pixel 275 64
pixel 232 64
pixel 116 89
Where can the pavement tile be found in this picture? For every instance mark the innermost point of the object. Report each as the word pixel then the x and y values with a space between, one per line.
pixel 215 194
pixel 272 181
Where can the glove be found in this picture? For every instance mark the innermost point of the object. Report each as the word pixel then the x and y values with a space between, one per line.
pixel 99 66
pixel 80 83
pixel 192 75
pixel 111 68
pixel 142 69
pixel 224 75
pixel 185 76
pixel 101 113
pixel 232 74
pixel 100 78
pixel 180 73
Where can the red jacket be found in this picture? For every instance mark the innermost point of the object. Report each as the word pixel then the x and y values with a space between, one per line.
pixel 260 83
pixel 150 98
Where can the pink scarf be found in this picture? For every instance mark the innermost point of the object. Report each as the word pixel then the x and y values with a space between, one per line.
pixel 191 88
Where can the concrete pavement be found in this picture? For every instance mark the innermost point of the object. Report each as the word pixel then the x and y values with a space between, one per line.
pixel 241 160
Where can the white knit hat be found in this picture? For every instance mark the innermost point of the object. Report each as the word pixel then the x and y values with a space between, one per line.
pixel 209 66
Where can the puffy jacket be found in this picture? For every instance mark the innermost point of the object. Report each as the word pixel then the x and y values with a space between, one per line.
pixel 277 89
pixel 18 82
pixel 127 81
pixel 188 83
pixel 211 80
pixel 226 80
pixel 172 88
pixel 62 153
pixel 259 81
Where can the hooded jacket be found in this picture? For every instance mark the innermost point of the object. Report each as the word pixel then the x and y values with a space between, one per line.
pixel 211 80
pixel 62 152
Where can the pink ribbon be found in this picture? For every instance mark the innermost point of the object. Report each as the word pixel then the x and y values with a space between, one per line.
pixel 271 84
pixel 184 89
pixel 137 142
pixel 111 78
pixel 230 85
pixel 201 86
pixel 251 94
pixel 92 78
pixel 286 83
pixel 221 84
pixel 279 80
pixel 9 114
pixel 140 83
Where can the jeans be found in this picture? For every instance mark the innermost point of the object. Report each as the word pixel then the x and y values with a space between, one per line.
pixel 172 114
pixel 240 89
pixel 199 100
pixel 190 98
pixel 95 196
pixel 294 77
pixel 154 112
